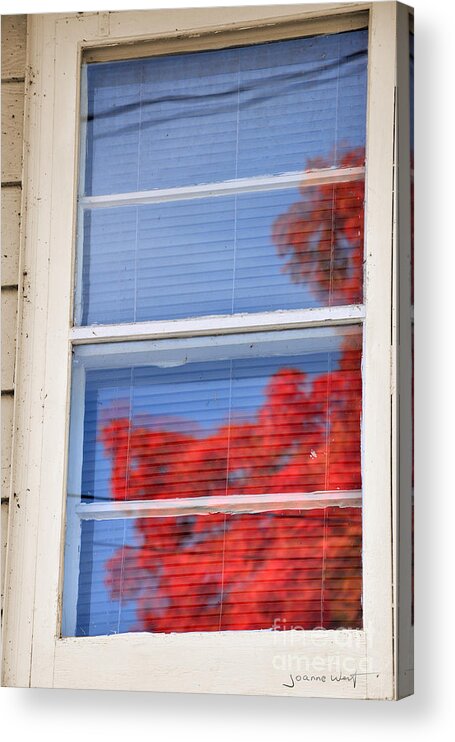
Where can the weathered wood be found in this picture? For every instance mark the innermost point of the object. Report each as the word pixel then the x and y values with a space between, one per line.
pixel 25 519
pixel 7 429
pixel 330 664
pixel 3 547
pixel 220 325
pixel 14 39
pixel 12 129
pixel 9 316
pixel 11 218
pixel 216 28
pixel 376 413
pixel 13 45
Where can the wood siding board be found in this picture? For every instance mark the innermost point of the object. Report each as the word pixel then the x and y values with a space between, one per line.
pixel 11 220
pixel 7 429
pixel 14 35
pixel 12 130
pixel 9 319
pixel 13 53
pixel 3 547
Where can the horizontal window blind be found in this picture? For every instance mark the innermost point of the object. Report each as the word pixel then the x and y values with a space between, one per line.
pixel 215 481
pixel 245 253
pixel 225 119
pixel 184 119
pixel 247 420
pixel 277 570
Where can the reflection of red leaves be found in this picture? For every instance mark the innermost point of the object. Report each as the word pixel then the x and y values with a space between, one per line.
pixel 321 237
pixel 303 568
pixel 123 574
pixel 283 569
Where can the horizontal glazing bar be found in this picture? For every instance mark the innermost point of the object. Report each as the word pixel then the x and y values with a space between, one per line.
pixel 226 504
pixel 225 188
pixel 220 325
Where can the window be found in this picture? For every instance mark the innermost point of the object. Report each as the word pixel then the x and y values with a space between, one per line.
pixel 225 489
pixel 189 208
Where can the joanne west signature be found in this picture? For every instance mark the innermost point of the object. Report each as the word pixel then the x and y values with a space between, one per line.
pixel 329 678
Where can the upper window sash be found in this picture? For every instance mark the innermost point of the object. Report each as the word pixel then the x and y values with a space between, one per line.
pixel 181 126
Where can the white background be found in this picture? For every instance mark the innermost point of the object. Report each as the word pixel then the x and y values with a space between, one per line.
pixel 87 715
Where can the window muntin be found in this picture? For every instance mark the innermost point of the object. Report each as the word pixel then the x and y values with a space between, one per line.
pixel 282 248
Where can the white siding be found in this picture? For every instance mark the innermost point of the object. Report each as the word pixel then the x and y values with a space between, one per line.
pixel 14 37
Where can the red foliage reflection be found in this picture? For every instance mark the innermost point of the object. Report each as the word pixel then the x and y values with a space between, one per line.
pixel 289 568
pixel 321 236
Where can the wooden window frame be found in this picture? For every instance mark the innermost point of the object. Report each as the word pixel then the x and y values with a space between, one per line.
pixel 375 662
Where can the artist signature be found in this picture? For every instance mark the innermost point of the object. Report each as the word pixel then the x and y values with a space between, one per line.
pixel 332 678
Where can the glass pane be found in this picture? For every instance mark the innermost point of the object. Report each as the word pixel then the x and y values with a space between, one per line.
pixel 284 249
pixel 208 418
pixel 275 570
pixel 176 120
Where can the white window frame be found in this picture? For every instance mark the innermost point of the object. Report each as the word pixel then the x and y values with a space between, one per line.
pixel 375 662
